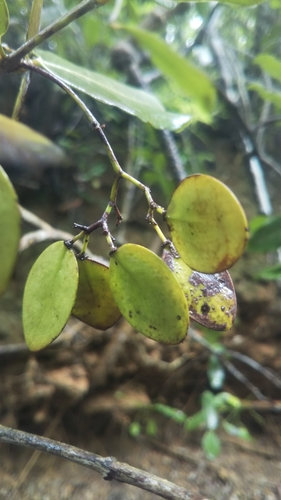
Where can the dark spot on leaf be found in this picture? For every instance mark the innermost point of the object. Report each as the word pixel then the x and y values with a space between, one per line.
pixel 138 312
pixel 178 317
pixel 153 327
pixel 204 292
pixel 205 308
pixel 130 314
pixel 116 263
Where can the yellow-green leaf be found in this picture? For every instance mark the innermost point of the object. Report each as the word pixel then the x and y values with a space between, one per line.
pixel 49 295
pixel 270 64
pixel 34 18
pixel 148 294
pixel 207 223
pixel 210 297
pixel 94 302
pixel 9 229
pixel 4 18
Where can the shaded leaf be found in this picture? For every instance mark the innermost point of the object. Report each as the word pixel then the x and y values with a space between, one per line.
pixel 175 414
pixel 131 100
pixel 269 273
pixel 207 223
pixel 270 64
pixel 211 444
pixel 211 298
pixel 49 295
pixel 192 82
pixel 195 421
pixel 237 430
pixel 148 295
pixel 4 18
pixel 9 229
pixel 267 95
pixel 267 237
pixel 20 145
pixel 94 303
pixel 242 3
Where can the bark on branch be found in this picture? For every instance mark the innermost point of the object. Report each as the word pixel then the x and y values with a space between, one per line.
pixel 108 467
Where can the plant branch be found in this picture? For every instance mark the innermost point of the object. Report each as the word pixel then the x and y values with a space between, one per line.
pixel 108 467
pixel 11 62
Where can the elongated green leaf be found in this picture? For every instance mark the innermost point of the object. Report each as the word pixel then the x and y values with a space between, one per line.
pixel 192 82
pixel 131 100
pixel 207 223
pixel 211 444
pixel 267 237
pixel 49 295
pixel 242 3
pixel 210 297
pixel 270 273
pixel 34 18
pixel 148 295
pixel 270 64
pixel 9 229
pixel 267 95
pixel 4 18
pixel 94 302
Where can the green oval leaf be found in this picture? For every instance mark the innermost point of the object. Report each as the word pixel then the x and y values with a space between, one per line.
pixel 94 302
pixel 207 223
pixel 102 88
pixel 49 295
pixel 211 444
pixel 270 64
pixel 9 229
pixel 211 297
pixel 148 295
pixel 4 18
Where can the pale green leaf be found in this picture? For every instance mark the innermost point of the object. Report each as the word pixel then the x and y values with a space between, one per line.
pixel 270 64
pixel 9 229
pixel 211 444
pixel 49 295
pixel 4 18
pixel 241 3
pixel 267 95
pixel 109 91
pixel 34 18
pixel 192 82
pixel 148 295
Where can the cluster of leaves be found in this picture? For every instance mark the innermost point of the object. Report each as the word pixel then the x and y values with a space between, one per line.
pixel 209 230
pixel 217 412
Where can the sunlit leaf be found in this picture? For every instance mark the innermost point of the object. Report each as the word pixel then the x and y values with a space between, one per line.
pixel 237 430
pixel 34 18
pixel 267 236
pixel 211 444
pixel 4 18
pixel 267 95
pixel 210 297
pixel 130 99
pixel 20 145
pixel 192 82
pixel 148 295
pixel 207 224
pixel 94 302
pixel 270 64
pixel 9 229
pixel 49 295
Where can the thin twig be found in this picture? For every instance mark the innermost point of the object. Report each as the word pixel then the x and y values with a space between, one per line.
pixel 273 377
pixel 108 467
